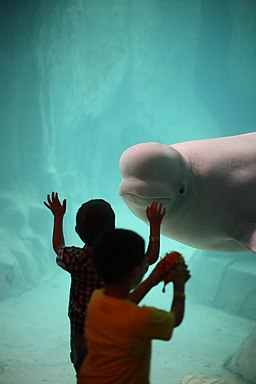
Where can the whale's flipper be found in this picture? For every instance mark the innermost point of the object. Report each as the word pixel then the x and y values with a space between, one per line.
pixel 247 236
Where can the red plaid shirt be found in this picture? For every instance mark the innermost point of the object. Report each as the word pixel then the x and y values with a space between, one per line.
pixel 84 280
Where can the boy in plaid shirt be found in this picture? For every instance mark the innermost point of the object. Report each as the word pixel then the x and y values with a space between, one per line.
pixel 92 218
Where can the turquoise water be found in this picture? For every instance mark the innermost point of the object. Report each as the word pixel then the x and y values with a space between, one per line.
pixel 81 81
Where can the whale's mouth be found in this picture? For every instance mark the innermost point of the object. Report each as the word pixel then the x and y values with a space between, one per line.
pixel 142 202
pixel 133 188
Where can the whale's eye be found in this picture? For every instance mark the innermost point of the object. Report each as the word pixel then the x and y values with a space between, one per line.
pixel 182 188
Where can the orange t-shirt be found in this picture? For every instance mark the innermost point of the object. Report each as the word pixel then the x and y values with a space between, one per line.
pixel 119 335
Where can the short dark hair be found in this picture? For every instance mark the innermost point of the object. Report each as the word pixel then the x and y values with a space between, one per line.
pixel 116 252
pixel 92 218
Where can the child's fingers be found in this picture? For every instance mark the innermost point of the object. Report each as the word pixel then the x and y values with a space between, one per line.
pixel 153 206
pixel 64 204
pixel 47 205
pixel 163 212
pixel 52 199
pixel 49 199
pixel 156 207
pixel 155 210
pixel 55 196
pixel 160 209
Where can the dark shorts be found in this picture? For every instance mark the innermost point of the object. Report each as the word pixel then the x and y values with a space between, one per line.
pixel 78 349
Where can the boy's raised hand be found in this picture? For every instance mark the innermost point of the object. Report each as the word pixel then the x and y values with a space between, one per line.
pixel 58 209
pixel 155 213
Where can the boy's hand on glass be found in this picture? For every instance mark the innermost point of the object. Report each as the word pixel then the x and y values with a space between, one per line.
pixel 53 203
pixel 155 213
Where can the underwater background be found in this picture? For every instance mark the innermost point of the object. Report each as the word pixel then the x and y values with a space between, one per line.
pixel 83 80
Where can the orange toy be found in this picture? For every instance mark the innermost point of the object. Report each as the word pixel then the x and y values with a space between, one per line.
pixel 168 264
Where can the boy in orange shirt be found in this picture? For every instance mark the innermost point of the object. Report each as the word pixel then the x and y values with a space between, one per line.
pixel 118 331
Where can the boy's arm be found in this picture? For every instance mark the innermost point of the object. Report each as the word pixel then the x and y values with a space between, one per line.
pixel 58 210
pixel 143 288
pixel 180 276
pixel 155 214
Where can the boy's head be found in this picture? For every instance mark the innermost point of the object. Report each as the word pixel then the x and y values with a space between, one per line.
pixel 92 218
pixel 116 252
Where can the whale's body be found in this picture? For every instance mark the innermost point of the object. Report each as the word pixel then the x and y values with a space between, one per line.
pixel 207 186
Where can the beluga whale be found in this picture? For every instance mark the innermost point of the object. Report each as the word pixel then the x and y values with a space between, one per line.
pixel 208 188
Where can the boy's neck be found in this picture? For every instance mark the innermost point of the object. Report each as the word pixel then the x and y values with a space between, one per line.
pixel 118 290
